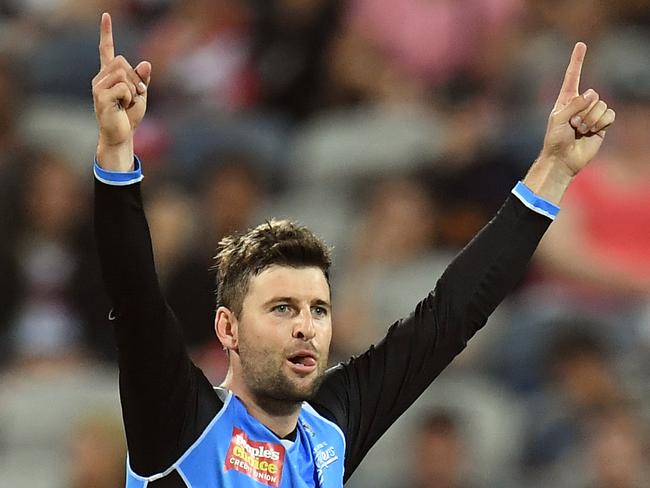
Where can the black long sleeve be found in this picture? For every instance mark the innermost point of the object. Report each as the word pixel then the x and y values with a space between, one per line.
pixel 166 400
pixel 366 395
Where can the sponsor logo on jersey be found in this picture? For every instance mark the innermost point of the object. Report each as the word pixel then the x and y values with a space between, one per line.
pixel 262 461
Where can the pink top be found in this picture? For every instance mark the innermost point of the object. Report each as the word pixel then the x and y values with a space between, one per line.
pixel 432 38
pixel 616 218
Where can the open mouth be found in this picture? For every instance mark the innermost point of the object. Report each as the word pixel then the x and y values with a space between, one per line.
pixel 303 361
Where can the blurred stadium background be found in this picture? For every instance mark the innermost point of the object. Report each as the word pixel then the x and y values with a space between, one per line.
pixel 394 128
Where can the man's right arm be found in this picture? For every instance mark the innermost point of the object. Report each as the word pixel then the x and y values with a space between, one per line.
pixel 166 400
pixel 157 381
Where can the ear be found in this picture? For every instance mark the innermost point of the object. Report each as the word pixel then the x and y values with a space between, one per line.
pixel 227 328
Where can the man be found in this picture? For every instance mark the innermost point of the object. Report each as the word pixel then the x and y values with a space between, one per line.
pixel 279 419
pixel 440 457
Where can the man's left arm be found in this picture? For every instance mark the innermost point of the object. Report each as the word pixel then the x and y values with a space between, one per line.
pixel 369 393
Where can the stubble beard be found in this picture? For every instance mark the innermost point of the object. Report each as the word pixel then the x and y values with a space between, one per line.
pixel 270 385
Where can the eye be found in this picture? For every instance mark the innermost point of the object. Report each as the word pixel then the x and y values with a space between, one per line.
pixel 281 308
pixel 319 311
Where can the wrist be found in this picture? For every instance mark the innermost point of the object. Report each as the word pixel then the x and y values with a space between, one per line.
pixel 115 157
pixel 549 178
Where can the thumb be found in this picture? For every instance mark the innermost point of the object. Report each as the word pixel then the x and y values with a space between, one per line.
pixel 575 106
pixel 143 69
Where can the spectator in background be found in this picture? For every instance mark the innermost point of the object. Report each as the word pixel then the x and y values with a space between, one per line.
pixel 436 41
pixel 599 248
pixel 202 53
pixel 292 43
pixel 40 407
pixel 98 452
pixel 614 453
pixel 582 380
pixel 595 259
pixel 392 262
pixel 56 44
pixel 12 148
pixel 51 10
pixel 532 61
pixel 362 74
pixel 548 31
pixel 470 177
pixel 14 154
pixel 46 324
pixel 51 279
pixel 634 12
pixel 439 455
pixel 172 224
pixel 229 198
pixel 50 377
pixel 617 451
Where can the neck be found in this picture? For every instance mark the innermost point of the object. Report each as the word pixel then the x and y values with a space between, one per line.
pixel 280 416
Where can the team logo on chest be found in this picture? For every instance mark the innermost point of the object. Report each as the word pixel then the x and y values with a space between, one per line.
pixel 324 456
pixel 262 461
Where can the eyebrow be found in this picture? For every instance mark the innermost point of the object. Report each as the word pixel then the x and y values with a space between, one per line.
pixel 322 303
pixel 318 301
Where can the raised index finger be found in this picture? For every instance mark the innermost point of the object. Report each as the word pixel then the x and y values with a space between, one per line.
pixel 106 49
pixel 571 84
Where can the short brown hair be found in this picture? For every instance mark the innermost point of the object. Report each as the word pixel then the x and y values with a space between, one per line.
pixel 276 242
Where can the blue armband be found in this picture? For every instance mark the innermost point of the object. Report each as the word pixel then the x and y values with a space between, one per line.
pixel 534 202
pixel 119 178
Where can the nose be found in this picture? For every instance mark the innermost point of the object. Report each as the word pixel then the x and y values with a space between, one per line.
pixel 304 326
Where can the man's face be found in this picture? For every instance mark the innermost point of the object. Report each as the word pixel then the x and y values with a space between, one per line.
pixel 285 329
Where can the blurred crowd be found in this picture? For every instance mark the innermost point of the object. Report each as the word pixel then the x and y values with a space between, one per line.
pixel 395 129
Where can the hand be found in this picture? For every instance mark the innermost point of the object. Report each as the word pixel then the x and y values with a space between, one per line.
pixel 120 99
pixel 577 125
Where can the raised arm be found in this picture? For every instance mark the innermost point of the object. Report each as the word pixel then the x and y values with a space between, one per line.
pixel 120 98
pixel 369 393
pixel 159 386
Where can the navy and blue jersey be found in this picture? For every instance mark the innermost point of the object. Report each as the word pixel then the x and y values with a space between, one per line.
pixel 237 451
pixel 182 433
